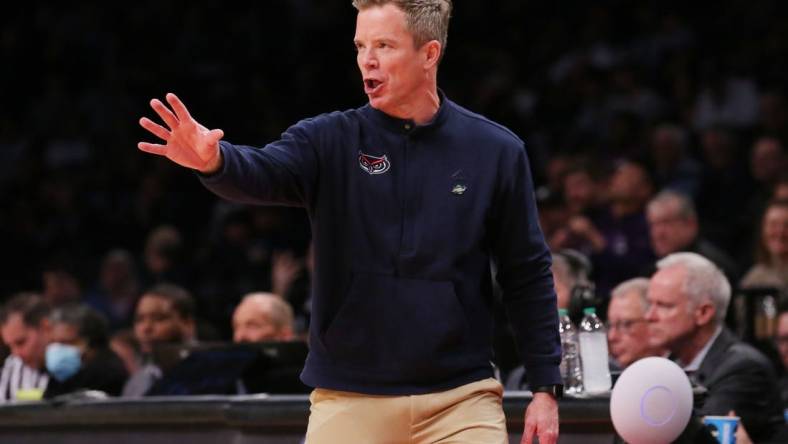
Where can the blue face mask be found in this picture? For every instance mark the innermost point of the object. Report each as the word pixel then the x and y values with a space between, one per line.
pixel 62 360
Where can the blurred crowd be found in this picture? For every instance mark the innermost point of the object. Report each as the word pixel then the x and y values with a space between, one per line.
pixel 651 127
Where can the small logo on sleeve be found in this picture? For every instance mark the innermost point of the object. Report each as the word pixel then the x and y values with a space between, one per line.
pixel 373 164
pixel 458 189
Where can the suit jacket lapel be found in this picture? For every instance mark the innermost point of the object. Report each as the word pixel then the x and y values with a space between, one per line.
pixel 716 353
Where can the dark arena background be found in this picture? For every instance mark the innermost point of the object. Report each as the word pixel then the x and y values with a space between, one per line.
pixel 586 85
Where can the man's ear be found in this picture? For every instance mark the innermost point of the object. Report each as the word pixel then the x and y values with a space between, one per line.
pixel 432 53
pixel 704 313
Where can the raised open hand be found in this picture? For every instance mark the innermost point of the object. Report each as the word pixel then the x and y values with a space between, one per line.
pixel 187 142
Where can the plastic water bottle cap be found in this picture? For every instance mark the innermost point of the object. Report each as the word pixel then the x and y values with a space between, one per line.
pixel 589 310
pixel 562 312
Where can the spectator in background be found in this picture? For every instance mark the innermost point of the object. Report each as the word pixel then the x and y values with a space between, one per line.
pixel 618 236
pixel 771 266
pixel 673 225
pixel 164 315
pixel 774 114
pixel 60 285
pixel 674 168
pixel 115 294
pixel 163 256
pixel 25 328
pixel 266 317
pixel 768 160
pixel 79 357
pixel 571 280
pixel 582 197
pixel 236 263
pixel 627 327
pixel 582 193
pixel 726 186
pixel 780 190
pixel 262 317
pixel 688 298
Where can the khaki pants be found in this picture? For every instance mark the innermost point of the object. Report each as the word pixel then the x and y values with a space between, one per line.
pixel 472 413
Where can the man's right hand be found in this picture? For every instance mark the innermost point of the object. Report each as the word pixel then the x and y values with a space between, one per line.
pixel 187 142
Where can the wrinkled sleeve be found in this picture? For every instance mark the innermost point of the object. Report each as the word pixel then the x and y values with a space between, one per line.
pixel 283 172
pixel 523 264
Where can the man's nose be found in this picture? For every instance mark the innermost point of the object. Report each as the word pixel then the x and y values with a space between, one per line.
pixel 368 59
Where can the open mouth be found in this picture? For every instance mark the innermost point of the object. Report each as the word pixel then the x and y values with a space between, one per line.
pixel 371 85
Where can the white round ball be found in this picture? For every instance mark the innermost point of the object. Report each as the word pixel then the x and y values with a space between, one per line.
pixel 651 402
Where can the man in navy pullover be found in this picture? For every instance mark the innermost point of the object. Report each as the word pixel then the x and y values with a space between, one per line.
pixel 409 197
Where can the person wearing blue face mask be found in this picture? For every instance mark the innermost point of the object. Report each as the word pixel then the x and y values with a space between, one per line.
pixel 78 356
pixel 63 360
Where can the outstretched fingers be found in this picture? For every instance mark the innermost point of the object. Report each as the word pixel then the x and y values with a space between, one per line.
pixel 153 148
pixel 178 106
pixel 166 115
pixel 156 129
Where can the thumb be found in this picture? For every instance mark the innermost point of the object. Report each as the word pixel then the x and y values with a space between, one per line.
pixel 731 413
pixel 216 134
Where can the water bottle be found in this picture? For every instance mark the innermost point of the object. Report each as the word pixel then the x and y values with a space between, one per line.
pixel 571 371
pixel 593 354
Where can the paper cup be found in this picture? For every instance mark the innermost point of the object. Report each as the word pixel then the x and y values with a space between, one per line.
pixel 723 428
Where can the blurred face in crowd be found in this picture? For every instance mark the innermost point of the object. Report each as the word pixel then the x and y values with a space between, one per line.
pixel 117 271
pixel 26 342
pixel 782 338
pixel 69 334
pixel 674 319
pixel 670 231
pixel 60 287
pixel 781 191
pixel 156 321
pixel 665 149
pixel 629 184
pixel 395 72
pixel 717 148
pixel 628 330
pixel 579 190
pixel 775 231
pixel 254 321
pixel 767 160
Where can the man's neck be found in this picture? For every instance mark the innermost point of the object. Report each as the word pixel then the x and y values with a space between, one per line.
pixel 691 348
pixel 422 106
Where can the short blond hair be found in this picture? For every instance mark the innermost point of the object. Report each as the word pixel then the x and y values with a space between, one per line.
pixel 427 20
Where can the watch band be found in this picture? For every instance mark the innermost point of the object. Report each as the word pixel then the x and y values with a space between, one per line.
pixel 557 390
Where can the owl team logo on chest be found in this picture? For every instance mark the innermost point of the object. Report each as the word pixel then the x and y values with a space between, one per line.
pixel 373 164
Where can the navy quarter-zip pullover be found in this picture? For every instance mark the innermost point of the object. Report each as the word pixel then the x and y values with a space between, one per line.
pixel 405 220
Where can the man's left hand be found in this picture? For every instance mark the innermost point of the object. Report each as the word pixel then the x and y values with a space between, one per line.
pixel 541 419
